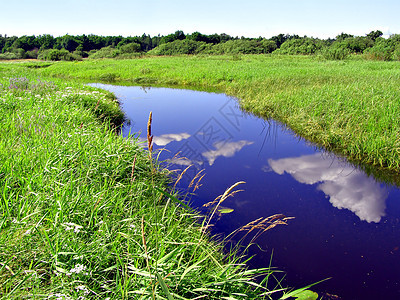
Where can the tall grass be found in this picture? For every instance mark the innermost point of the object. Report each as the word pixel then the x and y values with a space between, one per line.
pixel 347 106
pixel 87 214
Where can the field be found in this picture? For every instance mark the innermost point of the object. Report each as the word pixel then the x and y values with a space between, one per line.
pixel 88 214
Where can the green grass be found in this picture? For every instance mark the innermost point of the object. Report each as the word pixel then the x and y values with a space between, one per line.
pixel 350 107
pixel 87 214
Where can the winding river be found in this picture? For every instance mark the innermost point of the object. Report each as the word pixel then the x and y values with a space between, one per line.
pixel 346 224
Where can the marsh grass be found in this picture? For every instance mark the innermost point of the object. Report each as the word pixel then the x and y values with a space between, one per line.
pixel 87 214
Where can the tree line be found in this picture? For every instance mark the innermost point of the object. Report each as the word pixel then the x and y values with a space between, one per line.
pixel 69 47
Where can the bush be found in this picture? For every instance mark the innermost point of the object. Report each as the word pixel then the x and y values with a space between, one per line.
pixel 56 55
pixel 181 47
pixel 269 46
pixel 130 48
pixel 384 49
pixel 335 53
pixel 301 46
pixel 355 44
pixel 240 47
pixel 8 56
pixel 32 54
pixel 105 52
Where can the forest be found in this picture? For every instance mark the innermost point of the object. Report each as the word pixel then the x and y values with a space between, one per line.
pixel 70 48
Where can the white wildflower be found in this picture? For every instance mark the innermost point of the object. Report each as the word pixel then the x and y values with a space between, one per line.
pixel 72 226
pixel 82 288
pixel 78 269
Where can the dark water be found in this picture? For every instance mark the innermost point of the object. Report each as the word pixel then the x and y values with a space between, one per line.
pixel 346 224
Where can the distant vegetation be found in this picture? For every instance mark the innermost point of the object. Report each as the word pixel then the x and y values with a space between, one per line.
pixel 68 47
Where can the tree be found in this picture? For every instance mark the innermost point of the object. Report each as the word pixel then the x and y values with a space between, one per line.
pixel 373 35
pixel 343 36
pixel 45 41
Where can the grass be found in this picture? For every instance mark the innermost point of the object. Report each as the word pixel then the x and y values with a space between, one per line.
pixel 350 107
pixel 87 214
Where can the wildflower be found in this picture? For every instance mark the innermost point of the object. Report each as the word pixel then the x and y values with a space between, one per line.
pixel 78 269
pixel 72 226
pixel 82 288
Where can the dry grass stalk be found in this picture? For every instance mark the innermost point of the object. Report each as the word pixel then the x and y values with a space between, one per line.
pixel 195 183
pixel 181 175
pixel 97 105
pixel 228 193
pixel 261 225
pixel 149 136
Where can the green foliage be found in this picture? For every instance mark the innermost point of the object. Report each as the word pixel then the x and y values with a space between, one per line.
pixel 241 46
pixel 354 44
pixel 385 49
pixel 130 48
pixel 269 45
pixel 335 52
pixel 373 35
pixel 8 56
pixel 301 46
pixel 106 52
pixel 56 55
pixel 178 47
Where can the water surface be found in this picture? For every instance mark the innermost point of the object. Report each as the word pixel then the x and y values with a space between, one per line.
pixel 346 224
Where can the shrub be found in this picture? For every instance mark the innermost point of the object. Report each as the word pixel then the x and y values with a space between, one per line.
pixel 181 47
pixel 335 53
pixel 56 55
pixel 8 56
pixel 355 44
pixel 239 47
pixel 269 46
pixel 384 49
pixel 32 53
pixel 130 48
pixel 105 52
pixel 300 46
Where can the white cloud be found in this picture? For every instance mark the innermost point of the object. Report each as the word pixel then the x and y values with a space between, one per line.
pixel 165 139
pixel 346 186
pixel 224 149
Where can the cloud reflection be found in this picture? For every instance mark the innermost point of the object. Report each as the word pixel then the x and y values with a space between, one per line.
pixel 225 149
pixel 346 186
pixel 165 139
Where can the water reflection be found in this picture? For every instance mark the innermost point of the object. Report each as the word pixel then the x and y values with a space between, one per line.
pixel 165 139
pixel 346 187
pixel 224 149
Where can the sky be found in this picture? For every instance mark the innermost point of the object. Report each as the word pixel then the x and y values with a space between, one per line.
pixel 251 18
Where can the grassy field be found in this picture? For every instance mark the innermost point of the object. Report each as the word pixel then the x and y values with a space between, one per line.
pixel 87 214
pixel 350 106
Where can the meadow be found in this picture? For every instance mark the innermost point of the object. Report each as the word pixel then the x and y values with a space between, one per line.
pixel 350 107
pixel 87 214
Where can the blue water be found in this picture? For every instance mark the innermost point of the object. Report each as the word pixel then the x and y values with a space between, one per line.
pixel 346 224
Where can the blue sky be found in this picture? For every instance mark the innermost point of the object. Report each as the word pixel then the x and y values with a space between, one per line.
pixel 251 18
